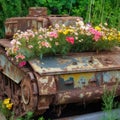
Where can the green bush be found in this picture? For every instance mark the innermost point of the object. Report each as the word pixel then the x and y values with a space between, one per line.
pixel 94 11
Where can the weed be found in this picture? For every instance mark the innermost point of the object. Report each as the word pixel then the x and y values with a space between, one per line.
pixel 5 108
pixel 109 104
pixel 28 116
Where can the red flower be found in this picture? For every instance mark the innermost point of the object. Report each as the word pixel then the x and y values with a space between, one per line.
pixel 70 40
pixel 21 64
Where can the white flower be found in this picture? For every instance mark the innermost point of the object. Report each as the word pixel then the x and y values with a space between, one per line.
pixel 30 46
pixel 76 38
pixel 15 42
pixel 76 33
pixel 57 26
pixel 40 36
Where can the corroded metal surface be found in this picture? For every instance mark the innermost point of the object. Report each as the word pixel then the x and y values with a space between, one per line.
pixel 37 18
pixel 12 25
pixel 9 89
pixel 79 78
pixel 92 79
pixel 10 70
pixel 66 20
pixel 76 63
pixel 37 11
pixel 5 43
pixel 29 92
pixel 84 95
pixel 46 85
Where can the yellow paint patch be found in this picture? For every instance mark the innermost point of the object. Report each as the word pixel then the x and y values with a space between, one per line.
pixel 77 77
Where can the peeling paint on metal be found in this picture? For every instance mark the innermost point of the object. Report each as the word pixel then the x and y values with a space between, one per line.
pixel 81 95
pixel 89 94
pixel 44 80
pixel 46 85
pixel 57 65
pixel 11 70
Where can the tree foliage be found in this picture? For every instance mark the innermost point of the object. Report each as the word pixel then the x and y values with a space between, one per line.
pixel 93 11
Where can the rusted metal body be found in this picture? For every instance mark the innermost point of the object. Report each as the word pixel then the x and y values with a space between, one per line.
pixel 37 11
pixel 36 18
pixel 58 80
pixel 77 78
pixel 12 25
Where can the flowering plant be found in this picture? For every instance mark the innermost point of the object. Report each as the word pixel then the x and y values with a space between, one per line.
pixel 61 40
pixel 5 107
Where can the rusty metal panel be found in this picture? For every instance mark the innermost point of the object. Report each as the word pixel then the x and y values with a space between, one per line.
pixel 37 11
pixel 66 20
pixel 44 102
pixel 85 86
pixel 30 22
pixel 5 43
pixel 85 80
pixel 22 23
pixel 36 18
pixel 11 27
pixel 71 81
pixel 76 63
pixel 84 95
pixel 10 70
pixel 46 85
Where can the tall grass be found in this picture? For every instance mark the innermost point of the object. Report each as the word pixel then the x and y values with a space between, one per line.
pixel 109 104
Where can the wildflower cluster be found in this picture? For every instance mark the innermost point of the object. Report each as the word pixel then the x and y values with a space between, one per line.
pixel 62 40
pixel 6 106
pixel 7 103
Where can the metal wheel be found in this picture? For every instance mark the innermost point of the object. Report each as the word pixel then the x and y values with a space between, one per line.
pixel 29 93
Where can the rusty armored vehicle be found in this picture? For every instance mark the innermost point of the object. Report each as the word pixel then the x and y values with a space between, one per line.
pixel 54 81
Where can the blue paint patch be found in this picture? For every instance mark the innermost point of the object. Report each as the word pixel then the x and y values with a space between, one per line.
pixel 98 78
pixel 82 82
pixel 107 76
pixel 54 62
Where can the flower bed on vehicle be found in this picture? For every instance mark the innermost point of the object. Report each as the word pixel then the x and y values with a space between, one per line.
pixel 62 40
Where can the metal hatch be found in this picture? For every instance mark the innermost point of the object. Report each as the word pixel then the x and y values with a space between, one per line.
pixel 75 63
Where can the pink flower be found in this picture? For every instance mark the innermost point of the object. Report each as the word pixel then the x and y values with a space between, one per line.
pixel 96 37
pixel 97 34
pixel 92 30
pixel 53 34
pixel 20 56
pixel 40 37
pixel 70 40
pixel 21 64
pixel 45 44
